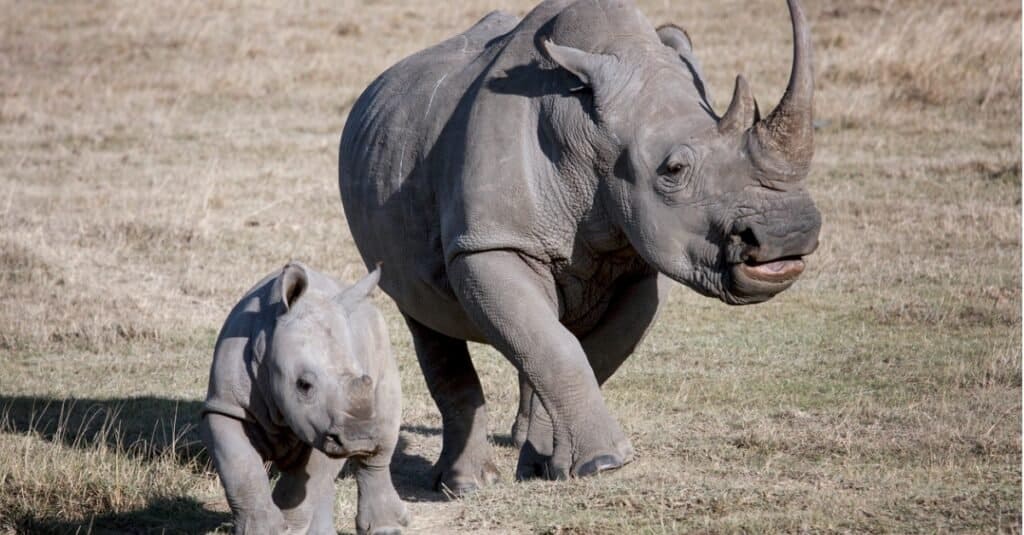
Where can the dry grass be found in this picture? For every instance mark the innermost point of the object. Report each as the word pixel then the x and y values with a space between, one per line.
pixel 158 158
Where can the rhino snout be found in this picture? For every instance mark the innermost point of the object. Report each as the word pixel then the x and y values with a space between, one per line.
pixel 765 238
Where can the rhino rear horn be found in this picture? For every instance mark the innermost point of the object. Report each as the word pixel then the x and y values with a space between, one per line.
pixel 353 295
pixel 783 144
pixel 742 112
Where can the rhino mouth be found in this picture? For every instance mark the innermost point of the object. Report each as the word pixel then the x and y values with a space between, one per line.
pixel 780 270
pixel 335 448
pixel 754 282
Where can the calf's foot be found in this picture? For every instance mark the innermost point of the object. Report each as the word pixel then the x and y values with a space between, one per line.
pixel 380 510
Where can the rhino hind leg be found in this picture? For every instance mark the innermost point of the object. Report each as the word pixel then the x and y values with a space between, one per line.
pixel 466 461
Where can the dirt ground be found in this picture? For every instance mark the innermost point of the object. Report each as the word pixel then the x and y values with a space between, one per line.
pixel 158 158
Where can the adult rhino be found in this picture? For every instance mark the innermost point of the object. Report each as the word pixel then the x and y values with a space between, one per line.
pixel 534 184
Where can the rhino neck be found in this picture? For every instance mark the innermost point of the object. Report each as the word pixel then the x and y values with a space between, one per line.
pixel 577 149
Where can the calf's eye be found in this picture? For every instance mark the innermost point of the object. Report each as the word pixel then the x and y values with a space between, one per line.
pixel 304 386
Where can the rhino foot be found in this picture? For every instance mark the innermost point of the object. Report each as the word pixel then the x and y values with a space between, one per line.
pixel 601 463
pixel 533 464
pixel 458 482
pixel 384 519
pixel 605 462
pixel 519 430
pixel 387 531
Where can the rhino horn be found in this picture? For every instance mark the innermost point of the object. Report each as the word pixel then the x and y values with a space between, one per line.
pixel 360 397
pixel 742 112
pixel 783 144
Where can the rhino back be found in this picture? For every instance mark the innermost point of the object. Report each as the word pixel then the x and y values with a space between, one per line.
pixel 389 163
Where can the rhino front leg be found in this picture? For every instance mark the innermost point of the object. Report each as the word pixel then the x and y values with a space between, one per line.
pixel 380 509
pixel 305 493
pixel 513 305
pixel 241 473
pixel 627 321
pixel 521 425
pixel 465 463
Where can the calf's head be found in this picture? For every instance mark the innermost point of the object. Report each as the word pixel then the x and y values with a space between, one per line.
pixel 716 203
pixel 318 385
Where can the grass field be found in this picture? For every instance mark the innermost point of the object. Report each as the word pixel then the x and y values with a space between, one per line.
pixel 157 158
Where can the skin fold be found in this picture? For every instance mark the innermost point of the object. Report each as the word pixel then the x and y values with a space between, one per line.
pixel 538 184
pixel 303 377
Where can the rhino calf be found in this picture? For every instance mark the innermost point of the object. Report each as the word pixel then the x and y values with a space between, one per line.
pixel 303 376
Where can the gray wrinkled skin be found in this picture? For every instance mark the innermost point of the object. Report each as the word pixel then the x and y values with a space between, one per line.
pixel 303 377
pixel 536 184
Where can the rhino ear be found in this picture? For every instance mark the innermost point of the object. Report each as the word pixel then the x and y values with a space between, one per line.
pixel 290 285
pixel 353 295
pixel 676 38
pixel 594 70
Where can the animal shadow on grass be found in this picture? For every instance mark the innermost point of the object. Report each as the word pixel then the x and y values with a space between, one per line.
pixel 164 516
pixel 142 428
pixel 149 428
pixel 145 428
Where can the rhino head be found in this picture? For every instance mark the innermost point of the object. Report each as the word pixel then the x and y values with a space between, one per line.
pixel 714 202
pixel 319 387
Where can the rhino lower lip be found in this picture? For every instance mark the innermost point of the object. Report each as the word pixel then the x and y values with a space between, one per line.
pixel 778 270
pixel 340 453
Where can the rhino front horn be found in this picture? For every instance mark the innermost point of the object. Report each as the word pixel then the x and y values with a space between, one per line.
pixel 783 144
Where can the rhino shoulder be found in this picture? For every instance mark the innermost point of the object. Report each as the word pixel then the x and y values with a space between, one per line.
pixel 243 336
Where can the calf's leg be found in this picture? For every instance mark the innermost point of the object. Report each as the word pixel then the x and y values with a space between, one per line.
pixel 241 472
pixel 305 493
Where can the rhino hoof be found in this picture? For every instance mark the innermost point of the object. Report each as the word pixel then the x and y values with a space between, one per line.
pixel 456 485
pixel 532 464
pixel 601 463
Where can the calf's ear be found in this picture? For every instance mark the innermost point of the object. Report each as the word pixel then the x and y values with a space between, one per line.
pixel 290 285
pixel 353 295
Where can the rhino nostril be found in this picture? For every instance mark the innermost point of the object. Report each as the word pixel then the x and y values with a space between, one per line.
pixel 749 238
pixel 334 437
pixel 747 242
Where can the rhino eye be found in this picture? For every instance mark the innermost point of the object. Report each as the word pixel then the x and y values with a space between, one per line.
pixel 674 168
pixel 676 171
pixel 304 385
